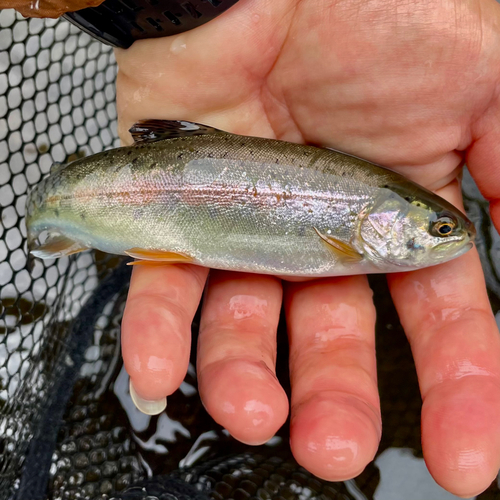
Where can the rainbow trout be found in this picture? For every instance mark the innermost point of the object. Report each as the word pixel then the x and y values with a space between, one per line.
pixel 186 192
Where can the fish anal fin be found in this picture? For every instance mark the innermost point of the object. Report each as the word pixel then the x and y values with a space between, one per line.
pixel 57 245
pixel 345 251
pixel 150 263
pixel 156 257
pixel 157 130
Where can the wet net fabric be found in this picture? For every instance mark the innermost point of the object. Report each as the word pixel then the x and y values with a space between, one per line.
pixel 68 429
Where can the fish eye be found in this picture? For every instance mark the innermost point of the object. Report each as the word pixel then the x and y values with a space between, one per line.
pixel 443 226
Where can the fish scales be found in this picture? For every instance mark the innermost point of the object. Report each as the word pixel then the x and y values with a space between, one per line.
pixel 226 201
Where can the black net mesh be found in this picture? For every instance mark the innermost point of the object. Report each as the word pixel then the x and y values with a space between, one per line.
pixel 57 102
pixel 68 429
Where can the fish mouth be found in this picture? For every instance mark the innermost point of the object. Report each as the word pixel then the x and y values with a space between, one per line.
pixel 468 246
pixel 454 248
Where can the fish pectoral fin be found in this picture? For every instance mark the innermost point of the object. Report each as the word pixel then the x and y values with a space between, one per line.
pixel 157 130
pixel 157 257
pixel 57 245
pixel 344 251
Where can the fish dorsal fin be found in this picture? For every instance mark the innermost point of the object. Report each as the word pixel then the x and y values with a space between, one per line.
pixel 158 130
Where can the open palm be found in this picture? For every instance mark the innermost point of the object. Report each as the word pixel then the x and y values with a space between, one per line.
pixel 411 85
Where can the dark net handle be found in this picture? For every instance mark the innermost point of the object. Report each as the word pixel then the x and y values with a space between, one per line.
pixel 120 22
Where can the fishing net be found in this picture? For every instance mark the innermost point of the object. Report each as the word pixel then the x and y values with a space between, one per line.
pixel 68 429
pixel 57 98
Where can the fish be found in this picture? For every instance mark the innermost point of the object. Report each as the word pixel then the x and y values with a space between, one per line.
pixel 189 193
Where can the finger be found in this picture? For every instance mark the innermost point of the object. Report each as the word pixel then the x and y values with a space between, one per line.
pixel 156 330
pixel 237 355
pixel 446 314
pixel 483 157
pixel 335 422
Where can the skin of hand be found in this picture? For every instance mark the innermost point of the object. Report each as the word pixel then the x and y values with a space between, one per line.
pixel 412 85
pixel 47 8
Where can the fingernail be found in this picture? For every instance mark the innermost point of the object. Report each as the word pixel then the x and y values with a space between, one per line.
pixel 147 406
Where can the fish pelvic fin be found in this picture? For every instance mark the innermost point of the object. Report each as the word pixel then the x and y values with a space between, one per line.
pixel 344 251
pixel 56 245
pixel 158 130
pixel 157 257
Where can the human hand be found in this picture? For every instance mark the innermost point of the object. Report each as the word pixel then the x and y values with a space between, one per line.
pixel 47 8
pixel 410 85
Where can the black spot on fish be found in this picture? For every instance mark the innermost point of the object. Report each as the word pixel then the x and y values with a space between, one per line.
pixel 82 216
pixel 129 153
pixel 135 160
pixel 212 212
pixel 411 245
pixel 153 165
pixel 407 198
pixel 180 155
pixel 386 186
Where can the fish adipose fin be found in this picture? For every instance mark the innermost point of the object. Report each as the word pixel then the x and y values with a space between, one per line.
pixel 157 257
pixel 56 246
pixel 158 130
pixel 344 251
